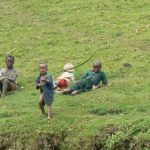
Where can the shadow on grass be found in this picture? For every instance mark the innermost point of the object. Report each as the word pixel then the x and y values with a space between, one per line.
pixel 102 112
pixel 9 115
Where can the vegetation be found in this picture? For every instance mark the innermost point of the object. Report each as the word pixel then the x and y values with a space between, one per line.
pixel 114 117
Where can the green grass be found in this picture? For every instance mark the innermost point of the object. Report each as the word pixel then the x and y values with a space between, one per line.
pixel 70 31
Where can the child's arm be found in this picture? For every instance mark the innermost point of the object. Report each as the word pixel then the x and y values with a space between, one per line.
pixel 12 79
pixel 99 86
pixel 2 76
pixel 37 83
pixel 104 82
pixel 47 79
pixel 85 75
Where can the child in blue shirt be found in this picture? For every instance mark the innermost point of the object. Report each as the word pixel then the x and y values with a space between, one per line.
pixel 44 82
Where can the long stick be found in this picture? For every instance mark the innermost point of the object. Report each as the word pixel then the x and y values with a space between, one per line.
pixel 79 64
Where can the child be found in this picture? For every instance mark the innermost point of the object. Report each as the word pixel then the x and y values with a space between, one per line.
pixel 8 76
pixel 66 78
pixel 90 80
pixel 45 84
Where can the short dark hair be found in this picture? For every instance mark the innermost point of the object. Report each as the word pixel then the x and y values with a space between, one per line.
pixel 97 63
pixel 10 56
pixel 42 63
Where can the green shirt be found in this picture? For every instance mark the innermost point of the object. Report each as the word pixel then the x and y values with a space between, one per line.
pixel 89 79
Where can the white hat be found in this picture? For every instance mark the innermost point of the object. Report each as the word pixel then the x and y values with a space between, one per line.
pixel 69 67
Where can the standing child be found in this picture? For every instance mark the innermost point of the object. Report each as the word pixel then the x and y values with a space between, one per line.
pixel 44 82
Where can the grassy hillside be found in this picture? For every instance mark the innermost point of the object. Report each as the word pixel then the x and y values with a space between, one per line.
pixel 115 117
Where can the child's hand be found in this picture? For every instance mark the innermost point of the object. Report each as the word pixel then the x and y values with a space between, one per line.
pixel 94 87
pixel 2 77
pixel 38 85
pixel 43 79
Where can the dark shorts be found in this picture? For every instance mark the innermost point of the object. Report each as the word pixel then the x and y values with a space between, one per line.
pixel 11 86
pixel 49 101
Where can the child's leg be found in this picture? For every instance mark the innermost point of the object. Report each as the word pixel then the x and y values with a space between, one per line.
pixel 41 103
pixel 5 87
pixel 75 92
pixel 67 91
pixel 1 87
pixel 49 111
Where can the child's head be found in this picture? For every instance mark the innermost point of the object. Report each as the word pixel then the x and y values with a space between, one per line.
pixel 9 60
pixel 69 67
pixel 43 68
pixel 97 65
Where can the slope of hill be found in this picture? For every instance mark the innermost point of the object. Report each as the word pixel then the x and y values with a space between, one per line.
pixel 114 117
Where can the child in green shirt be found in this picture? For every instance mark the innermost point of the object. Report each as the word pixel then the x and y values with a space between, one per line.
pixel 91 79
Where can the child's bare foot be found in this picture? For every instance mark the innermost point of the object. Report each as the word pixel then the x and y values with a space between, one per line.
pixel 75 92
pixel 49 118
